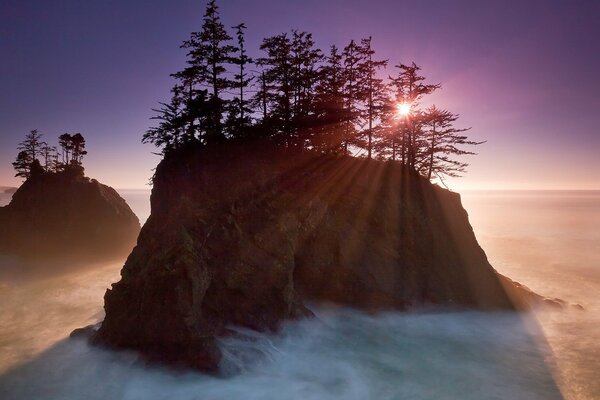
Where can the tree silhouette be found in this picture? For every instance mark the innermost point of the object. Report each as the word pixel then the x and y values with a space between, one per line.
pixel 354 94
pixel 78 149
pixel 410 88
pixel 47 154
pixel 22 164
pixel 72 148
pixel 32 144
pixel 330 113
pixel 375 90
pixel 442 142
pixel 303 100
pixel 64 141
pixel 277 75
pixel 305 76
pixel 208 52
pixel 171 131
pixel 240 107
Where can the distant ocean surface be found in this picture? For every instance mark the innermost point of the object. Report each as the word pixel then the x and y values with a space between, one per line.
pixel 549 241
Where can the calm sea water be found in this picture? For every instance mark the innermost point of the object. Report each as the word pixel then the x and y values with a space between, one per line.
pixel 550 241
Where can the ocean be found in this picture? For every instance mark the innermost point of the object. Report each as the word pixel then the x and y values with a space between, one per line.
pixel 548 241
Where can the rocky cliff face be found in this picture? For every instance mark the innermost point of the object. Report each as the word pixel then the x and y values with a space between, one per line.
pixel 247 235
pixel 66 216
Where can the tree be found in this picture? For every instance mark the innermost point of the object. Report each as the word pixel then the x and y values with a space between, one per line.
pixel 78 149
pixel 72 148
pixel 64 141
pixel 443 141
pixel 239 107
pixel 49 155
pixel 375 90
pixel 55 164
pixel 22 164
pixel 290 73
pixel 354 94
pixel 32 144
pixel 410 88
pixel 170 132
pixel 208 53
pixel 277 91
pixel 305 77
pixel 304 100
pixel 330 112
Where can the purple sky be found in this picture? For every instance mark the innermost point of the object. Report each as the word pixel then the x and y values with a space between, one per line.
pixel 523 74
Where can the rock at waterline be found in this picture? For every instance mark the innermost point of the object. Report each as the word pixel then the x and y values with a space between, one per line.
pixel 65 215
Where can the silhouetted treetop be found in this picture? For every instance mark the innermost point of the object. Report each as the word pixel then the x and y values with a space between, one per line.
pixel 36 157
pixel 294 95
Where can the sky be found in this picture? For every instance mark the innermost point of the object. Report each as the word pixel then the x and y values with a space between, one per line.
pixel 524 75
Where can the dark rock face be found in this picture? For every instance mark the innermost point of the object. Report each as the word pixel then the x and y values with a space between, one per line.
pixel 66 216
pixel 244 235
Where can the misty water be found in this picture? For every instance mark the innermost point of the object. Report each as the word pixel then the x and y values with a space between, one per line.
pixel 549 241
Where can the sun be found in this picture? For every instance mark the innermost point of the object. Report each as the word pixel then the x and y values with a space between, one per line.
pixel 403 109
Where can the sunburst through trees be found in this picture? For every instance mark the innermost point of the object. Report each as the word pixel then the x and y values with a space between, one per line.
pixel 300 98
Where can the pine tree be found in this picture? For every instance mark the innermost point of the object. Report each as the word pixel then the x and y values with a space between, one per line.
pixel 32 144
pixel 442 143
pixel 375 90
pixel 240 108
pixel 353 94
pixel 22 164
pixel 64 141
pixel 78 149
pixel 55 164
pixel 410 88
pixel 46 153
pixel 277 92
pixel 208 53
pixel 329 108
pixel 306 59
pixel 175 127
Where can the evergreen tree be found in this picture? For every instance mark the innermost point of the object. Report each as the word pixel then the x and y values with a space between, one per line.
pixel 208 53
pixel 175 126
pixel 46 153
pixel 410 88
pixel 375 90
pixel 72 149
pixel 305 100
pixel 55 164
pixel 32 144
pixel 330 111
pixel 442 143
pixel 64 141
pixel 78 149
pixel 240 108
pixel 306 59
pixel 353 93
pixel 277 75
pixel 22 164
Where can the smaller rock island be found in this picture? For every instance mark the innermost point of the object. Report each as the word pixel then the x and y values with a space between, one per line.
pixel 60 214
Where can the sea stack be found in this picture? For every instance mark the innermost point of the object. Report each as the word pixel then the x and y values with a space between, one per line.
pixel 66 216
pixel 249 234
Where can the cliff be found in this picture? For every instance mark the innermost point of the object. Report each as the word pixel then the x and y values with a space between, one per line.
pixel 248 234
pixel 66 216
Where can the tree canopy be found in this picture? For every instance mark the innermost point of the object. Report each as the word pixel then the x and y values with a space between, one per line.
pixel 37 156
pixel 300 98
